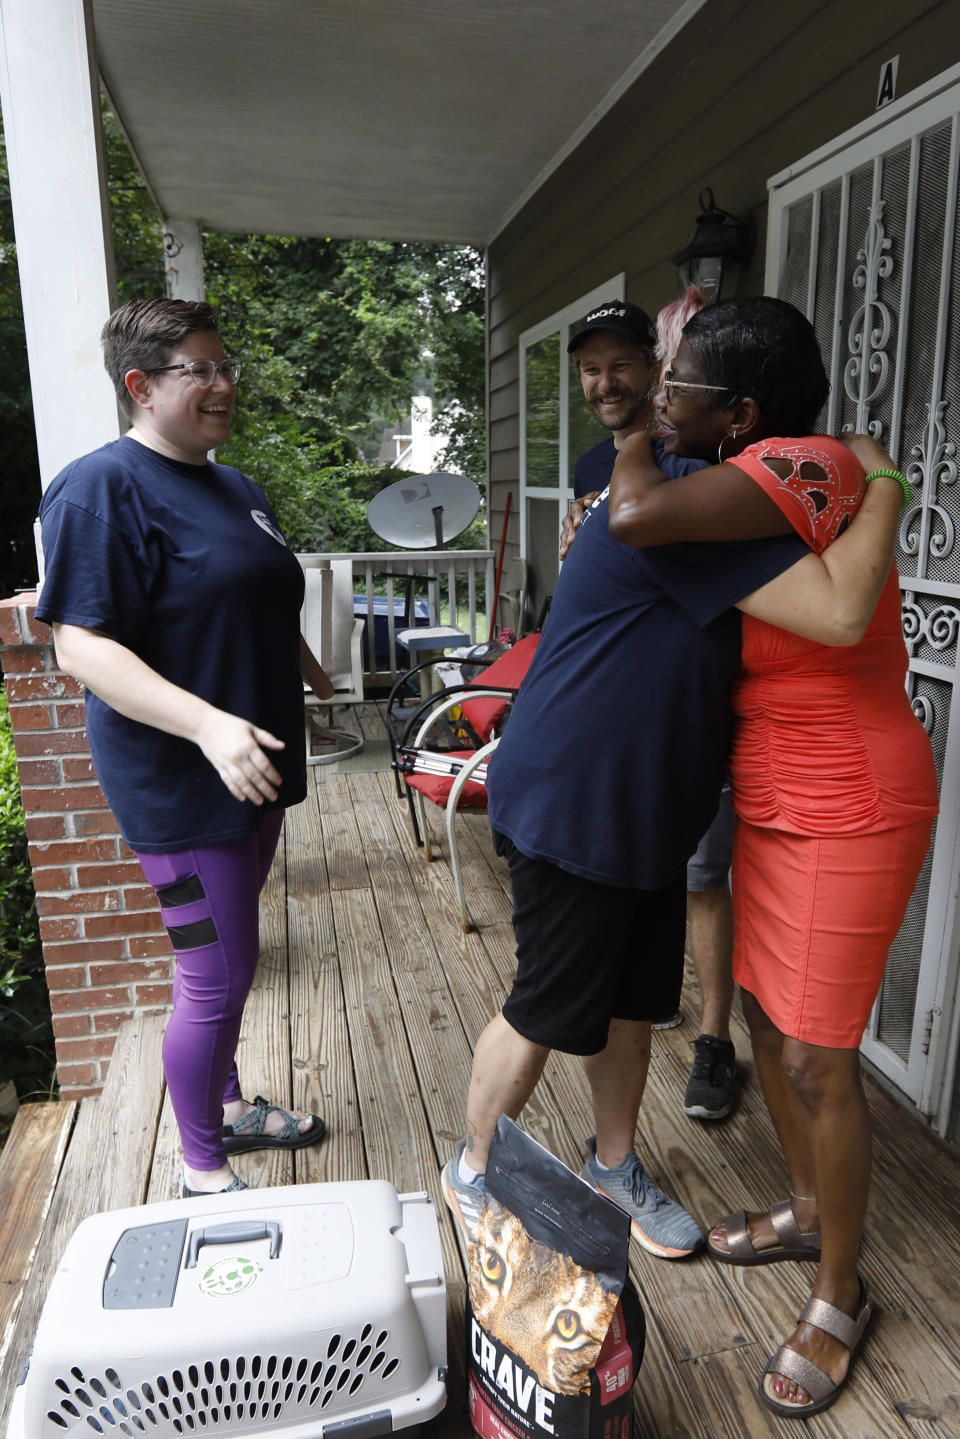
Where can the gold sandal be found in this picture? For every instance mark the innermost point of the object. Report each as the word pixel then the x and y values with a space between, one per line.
pixel 794 1244
pixel 788 1364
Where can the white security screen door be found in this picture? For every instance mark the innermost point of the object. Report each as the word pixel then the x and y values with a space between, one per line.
pixel 864 237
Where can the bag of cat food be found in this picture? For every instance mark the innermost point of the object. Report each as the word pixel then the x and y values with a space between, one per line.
pixel 555 1331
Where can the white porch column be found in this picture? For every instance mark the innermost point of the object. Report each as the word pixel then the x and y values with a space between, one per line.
pixel 183 260
pixel 51 114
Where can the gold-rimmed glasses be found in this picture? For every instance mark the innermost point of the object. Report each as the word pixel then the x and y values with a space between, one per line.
pixel 671 386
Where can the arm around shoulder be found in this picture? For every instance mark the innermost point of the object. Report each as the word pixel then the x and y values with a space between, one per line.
pixel 718 503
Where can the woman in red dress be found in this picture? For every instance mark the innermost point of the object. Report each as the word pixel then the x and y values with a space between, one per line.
pixel 833 779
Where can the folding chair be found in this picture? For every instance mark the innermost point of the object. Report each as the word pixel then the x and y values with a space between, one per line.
pixel 483 704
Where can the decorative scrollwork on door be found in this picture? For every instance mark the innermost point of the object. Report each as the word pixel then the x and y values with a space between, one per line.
pixel 933 463
pixel 871 325
pixel 936 626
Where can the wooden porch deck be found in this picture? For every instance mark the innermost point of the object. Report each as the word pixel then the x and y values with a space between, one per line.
pixel 367 1006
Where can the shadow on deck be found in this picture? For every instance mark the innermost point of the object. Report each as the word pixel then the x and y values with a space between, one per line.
pixel 367 1006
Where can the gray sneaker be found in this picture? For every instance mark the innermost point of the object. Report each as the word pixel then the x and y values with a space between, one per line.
pixel 463 1200
pixel 662 1226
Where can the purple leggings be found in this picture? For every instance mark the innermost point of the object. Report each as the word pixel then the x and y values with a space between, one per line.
pixel 210 900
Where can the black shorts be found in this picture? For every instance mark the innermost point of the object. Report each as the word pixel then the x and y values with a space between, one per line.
pixel 588 953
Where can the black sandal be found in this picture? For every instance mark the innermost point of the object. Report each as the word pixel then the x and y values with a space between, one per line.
pixel 247 1133
pixel 186 1192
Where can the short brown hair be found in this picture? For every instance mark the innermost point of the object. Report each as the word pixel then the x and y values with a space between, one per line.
pixel 143 334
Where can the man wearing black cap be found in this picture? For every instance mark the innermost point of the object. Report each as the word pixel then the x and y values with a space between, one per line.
pixel 602 784
pixel 615 346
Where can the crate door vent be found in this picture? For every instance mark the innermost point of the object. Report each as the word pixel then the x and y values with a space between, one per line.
pixel 249 1390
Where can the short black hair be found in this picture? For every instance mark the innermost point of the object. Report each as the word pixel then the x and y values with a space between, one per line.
pixel 766 349
pixel 143 334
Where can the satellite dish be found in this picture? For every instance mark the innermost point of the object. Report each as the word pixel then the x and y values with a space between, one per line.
pixel 421 512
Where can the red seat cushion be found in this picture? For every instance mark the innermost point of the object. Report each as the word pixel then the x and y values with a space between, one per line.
pixel 437 787
pixel 508 671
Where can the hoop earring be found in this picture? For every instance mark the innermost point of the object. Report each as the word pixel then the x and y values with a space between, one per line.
pixel 730 435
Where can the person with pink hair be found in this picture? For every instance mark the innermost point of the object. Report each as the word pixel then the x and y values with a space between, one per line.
pixel 671 320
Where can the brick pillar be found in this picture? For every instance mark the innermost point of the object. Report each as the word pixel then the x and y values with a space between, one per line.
pixel 105 948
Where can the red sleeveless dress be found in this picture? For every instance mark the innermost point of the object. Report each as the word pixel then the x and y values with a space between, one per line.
pixel 833 782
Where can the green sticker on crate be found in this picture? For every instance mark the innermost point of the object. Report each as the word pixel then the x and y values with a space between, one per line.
pixel 229 1276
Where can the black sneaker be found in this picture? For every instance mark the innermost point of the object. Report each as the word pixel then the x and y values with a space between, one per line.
pixel 712 1087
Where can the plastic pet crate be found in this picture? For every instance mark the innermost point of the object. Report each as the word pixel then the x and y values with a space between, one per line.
pixel 306 1311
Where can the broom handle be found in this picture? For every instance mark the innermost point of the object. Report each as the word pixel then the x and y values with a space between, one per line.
pixel 496 589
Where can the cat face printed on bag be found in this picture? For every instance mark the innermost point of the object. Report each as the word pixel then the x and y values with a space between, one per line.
pixel 548 1310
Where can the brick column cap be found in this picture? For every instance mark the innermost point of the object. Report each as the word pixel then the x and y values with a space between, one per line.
pixel 18 625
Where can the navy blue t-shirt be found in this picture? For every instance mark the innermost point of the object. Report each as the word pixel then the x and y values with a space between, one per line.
pixel 185 566
pixel 612 763
pixel 594 467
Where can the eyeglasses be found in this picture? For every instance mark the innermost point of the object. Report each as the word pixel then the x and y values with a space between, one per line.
pixel 670 388
pixel 202 372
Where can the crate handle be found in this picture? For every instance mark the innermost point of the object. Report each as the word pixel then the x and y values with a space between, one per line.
pixel 240 1231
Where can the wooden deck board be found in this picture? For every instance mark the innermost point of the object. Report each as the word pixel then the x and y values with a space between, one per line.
pixel 263 1055
pixel 438 1045
pixel 367 1004
pixel 106 1166
pixel 29 1167
pixel 321 1057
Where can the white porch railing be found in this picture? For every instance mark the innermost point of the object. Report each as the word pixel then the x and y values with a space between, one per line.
pixel 401 583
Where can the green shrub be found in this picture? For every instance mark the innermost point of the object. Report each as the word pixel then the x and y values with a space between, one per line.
pixel 26 1030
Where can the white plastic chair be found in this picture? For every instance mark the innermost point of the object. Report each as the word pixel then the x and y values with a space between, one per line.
pixel 512 602
pixel 335 636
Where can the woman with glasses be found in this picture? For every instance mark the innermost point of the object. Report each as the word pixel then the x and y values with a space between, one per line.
pixel 833 778
pixel 175 600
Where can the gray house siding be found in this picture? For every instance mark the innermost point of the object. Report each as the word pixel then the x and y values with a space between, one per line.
pixel 742 92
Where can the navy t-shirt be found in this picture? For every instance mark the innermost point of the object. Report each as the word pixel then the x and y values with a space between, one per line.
pixel 594 467
pixel 185 566
pixel 612 763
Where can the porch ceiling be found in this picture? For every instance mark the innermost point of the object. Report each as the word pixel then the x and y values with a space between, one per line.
pixel 403 119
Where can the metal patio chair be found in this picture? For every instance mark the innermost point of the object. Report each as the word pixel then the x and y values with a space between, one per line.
pixel 480 709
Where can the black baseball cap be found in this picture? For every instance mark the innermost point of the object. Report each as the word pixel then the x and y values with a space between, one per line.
pixel 621 317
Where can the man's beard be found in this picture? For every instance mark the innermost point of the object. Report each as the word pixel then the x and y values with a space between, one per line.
pixel 627 412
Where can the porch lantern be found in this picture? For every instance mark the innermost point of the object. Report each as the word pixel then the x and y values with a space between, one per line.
pixel 721 244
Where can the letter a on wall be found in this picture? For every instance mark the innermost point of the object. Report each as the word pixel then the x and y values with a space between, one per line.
pixel 887 89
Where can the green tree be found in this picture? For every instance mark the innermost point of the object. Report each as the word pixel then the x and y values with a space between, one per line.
pixel 336 336
pixel 134 222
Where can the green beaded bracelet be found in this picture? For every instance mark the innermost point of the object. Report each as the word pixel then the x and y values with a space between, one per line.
pixel 901 480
